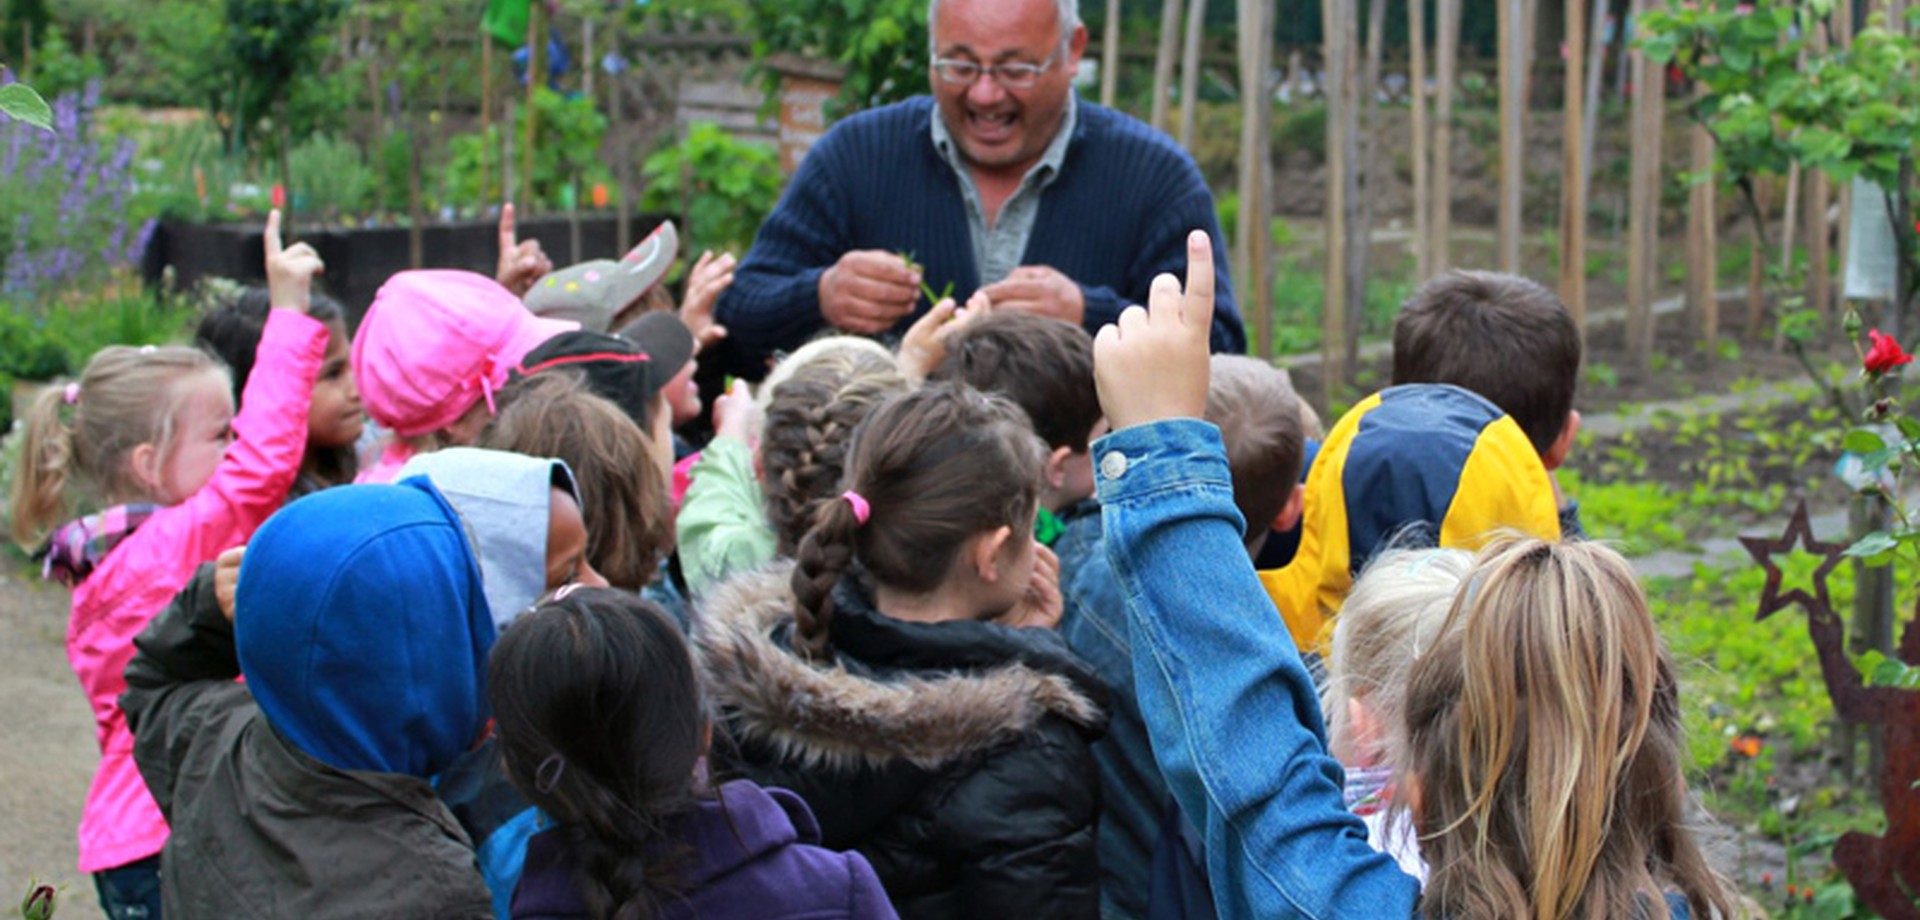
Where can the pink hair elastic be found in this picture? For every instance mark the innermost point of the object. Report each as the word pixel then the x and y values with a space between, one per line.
pixel 73 393
pixel 861 510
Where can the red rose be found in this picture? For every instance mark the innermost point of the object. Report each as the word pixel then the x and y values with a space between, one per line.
pixel 1886 353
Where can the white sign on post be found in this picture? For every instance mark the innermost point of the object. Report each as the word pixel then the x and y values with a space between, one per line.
pixel 1872 260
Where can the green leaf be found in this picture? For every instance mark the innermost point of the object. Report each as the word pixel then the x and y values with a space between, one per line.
pixel 1875 548
pixel 19 101
pixel 1909 427
pixel 1863 441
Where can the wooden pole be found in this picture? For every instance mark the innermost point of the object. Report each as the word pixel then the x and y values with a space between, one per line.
pixel 1110 55
pixel 1364 180
pixel 1843 36
pixel 1422 158
pixel 486 118
pixel 1702 291
pixel 1819 245
pixel 1512 17
pixel 1788 218
pixel 1163 56
pixel 1255 231
pixel 1756 263
pixel 1190 70
pixel 1333 312
pixel 1643 228
pixel 1596 62
pixel 586 56
pixel 1446 46
pixel 536 67
pixel 1573 192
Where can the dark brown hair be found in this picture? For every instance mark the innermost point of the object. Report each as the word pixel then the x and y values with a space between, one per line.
pixel 936 466
pixel 804 439
pixel 601 723
pixel 1502 336
pixel 628 511
pixel 1044 365
pixel 1259 418
pixel 232 332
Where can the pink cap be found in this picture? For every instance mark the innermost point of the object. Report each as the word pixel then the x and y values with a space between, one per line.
pixel 435 342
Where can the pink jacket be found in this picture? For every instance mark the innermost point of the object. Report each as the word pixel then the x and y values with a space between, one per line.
pixel 140 576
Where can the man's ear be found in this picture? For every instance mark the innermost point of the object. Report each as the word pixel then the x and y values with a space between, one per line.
pixel 1076 46
pixel 1056 467
pixel 984 555
pixel 1290 512
pixel 1563 445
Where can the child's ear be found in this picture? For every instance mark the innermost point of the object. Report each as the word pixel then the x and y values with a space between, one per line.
pixel 1562 445
pixel 1056 469
pixel 144 463
pixel 986 552
pixel 1290 512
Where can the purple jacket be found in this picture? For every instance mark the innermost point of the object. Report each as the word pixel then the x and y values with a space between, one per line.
pixel 754 859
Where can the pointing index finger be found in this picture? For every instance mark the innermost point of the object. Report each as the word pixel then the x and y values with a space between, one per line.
pixel 507 237
pixel 1197 304
pixel 273 234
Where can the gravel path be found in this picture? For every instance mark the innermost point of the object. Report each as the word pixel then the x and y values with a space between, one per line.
pixel 47 752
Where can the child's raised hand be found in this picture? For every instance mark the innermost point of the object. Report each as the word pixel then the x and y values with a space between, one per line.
pixel 226 579
pixel 1152 363
pixel 290 269
pixel 925 344
pixel 736 415
pixel 710 277
pixel 1042 605
pixel 521 263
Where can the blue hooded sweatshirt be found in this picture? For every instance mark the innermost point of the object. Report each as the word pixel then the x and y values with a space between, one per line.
pixel 363 629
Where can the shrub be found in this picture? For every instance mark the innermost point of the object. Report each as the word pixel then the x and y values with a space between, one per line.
pixel 722 187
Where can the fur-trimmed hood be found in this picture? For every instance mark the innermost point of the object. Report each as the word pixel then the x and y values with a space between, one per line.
pixel 828 715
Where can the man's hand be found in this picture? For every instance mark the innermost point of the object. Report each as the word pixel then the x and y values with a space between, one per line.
pixel 1040 289
pixel 925 344
pixel 868 291
pixel 290 270
pixel 736 415
pixel 521 264
pixel 226 579
pixel 1042 606
pixel 710 277
pixel 1152 364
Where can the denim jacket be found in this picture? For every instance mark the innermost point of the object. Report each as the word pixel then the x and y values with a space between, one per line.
pixel 1235 724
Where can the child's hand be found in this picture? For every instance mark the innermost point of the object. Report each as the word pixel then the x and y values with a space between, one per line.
pixel 925 344
pixel 226 579
pixel 710 277
pixel 1152 364
pixel 290 270
pixel 1042 606
pixel 736 415
pixel 521 263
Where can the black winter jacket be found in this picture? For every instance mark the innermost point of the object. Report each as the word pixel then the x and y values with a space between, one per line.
pixel 953 756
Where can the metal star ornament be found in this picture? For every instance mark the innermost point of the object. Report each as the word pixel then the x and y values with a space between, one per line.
pixel 1799 534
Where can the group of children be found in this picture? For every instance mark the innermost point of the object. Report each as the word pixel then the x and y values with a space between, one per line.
pixel 1012 621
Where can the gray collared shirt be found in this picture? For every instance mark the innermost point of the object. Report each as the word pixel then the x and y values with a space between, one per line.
pixel 997 247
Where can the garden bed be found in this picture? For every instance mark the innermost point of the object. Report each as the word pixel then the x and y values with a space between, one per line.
pixel 360 259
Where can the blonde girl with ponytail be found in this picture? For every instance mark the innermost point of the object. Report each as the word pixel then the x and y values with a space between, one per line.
pixel 149 436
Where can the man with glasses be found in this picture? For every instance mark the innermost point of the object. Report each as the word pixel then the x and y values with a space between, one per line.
pixel 1002 183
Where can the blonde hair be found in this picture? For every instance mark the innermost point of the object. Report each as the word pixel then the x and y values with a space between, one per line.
pixel 1543 732
pixel 823 347
pixel 808 431
pixel 1394 612
pixel 124 398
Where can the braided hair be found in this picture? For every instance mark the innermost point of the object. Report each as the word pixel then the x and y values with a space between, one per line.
pixel 809 422
pixel 601 725
pixel 936 466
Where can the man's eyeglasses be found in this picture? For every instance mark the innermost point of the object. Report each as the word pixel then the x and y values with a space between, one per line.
pixel 1015 75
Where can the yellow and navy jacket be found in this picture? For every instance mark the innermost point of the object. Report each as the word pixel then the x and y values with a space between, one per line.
pixel 1420 465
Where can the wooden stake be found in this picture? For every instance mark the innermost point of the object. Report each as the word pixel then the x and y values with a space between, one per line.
pixel 1446 60
pixel 1364 179
pixel 1190 70
pixel 1819 297
pixel 1110 54
pixel 1643 224
pixel 536 73
pixel 1703 224
pixel 1333 312
pixel 1757 264
pixel 1422 194
pixel 1788 218
pixel 1512 17
pixel 1163 56
pixel 1254 234
pixel 586 56
pixel 486 117
pixel 1596 62
pixel 1573 192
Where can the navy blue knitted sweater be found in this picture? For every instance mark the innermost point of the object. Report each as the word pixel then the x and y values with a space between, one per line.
pixel 1117 215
